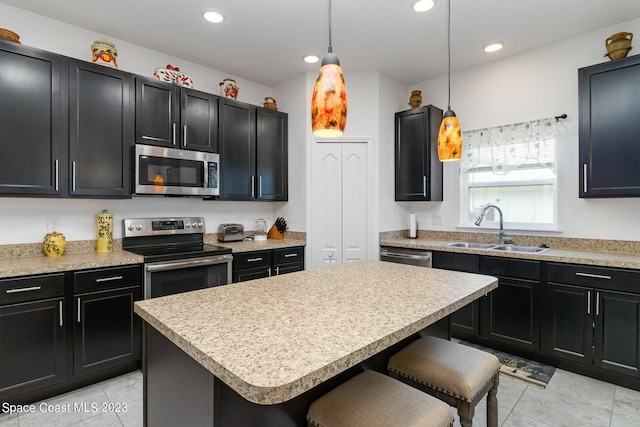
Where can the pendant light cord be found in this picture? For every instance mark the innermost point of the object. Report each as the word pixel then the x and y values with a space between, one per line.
pixel 448 52
pixel 330 47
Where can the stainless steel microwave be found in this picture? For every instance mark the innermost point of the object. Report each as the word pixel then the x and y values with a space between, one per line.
pixel 171 171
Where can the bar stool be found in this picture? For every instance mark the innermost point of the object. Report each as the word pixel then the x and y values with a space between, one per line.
pixel 455 373
pixel 372 399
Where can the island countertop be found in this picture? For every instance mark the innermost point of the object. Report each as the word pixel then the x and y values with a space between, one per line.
pixel 272 339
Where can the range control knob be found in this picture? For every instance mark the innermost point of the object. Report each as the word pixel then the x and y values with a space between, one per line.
pixel 194 225
pixel 130 227
pixel 200 225
pixel 187 225
pixel 138 227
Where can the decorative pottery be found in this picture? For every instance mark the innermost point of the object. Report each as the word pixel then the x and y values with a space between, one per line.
pixel 104 243
pixel 229 88
pixel 9 35
pixel 415 99
pixel 270 103
pixel 54 244
pixel 618 45
pixel 104 53
pixel 173 75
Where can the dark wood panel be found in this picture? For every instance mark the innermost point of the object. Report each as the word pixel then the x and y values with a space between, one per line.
pixel 156 112
pixel 31 288
pixel 272 155
pixel 237 150
pixel 106 278
pixel 199 120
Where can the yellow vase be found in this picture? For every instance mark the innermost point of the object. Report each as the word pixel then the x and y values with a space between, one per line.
pixel 104 243
pixel 54 244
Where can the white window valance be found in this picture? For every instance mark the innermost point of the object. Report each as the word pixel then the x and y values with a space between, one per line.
pixel 503 149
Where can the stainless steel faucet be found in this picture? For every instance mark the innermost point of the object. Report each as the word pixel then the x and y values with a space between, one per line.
pixel 503 239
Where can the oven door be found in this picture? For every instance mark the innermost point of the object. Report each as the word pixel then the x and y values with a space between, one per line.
pixel 172 277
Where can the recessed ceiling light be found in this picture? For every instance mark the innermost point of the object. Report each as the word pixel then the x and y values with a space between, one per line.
pixel 311 59
pixel 423 5
pixel 493 47
pixel 213 16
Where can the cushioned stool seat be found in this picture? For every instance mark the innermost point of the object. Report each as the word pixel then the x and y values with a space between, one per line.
pixel 372 399
pixel 455 373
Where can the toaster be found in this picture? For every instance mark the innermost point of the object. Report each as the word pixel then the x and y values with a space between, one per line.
pixel 230 232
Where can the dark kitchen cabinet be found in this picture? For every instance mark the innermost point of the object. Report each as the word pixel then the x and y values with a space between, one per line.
pixel 609 131
pixel 418 172
pixel 30 120
pixel 106 331
pixel 267 263
pixel 100 131
pixel 512 311
pixel 465 322
pixel 177 117
pixel 593 317
pixel 253 152
pixel 32 334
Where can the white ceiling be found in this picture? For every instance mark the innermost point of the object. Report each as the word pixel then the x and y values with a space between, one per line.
pixel 264 40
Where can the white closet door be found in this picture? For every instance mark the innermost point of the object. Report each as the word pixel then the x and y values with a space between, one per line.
pixel 339 203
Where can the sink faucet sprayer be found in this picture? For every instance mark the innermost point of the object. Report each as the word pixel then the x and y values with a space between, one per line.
pixel 503 239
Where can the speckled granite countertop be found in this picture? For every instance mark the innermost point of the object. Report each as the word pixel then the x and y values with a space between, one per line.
pixel 605 259
pixel 259 245
pixel 272 339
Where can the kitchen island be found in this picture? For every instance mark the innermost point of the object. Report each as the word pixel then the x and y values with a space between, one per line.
pixel 259 352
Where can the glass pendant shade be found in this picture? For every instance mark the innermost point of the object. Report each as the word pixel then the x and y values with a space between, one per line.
pixel 329 100
pixel 449 138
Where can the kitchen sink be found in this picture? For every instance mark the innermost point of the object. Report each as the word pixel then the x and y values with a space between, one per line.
pixel 472 245
pixel 514 248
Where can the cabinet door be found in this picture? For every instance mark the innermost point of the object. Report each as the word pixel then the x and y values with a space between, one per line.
pixel 568 324
pixel 106 331
pixel 198 120
pixel 30 121
pixel 32 340
pixel 100 130
pixel 251 273
pixel 418 172
pixel 237 150
pixel 617 332
pixel 609 129
pixel 271 155
pixel 156 112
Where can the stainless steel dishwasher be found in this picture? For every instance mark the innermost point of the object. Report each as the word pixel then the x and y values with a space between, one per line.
pixel 417 257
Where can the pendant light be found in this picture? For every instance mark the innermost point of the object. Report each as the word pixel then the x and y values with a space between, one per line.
pixel 450 135
pixel 329 99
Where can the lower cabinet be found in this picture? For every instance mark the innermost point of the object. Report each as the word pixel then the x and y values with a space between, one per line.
pixel 32 334
pixel 592 317
pixel 267 263
pixel 67 330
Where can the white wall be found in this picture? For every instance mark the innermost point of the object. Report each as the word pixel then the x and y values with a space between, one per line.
pixel 538 84
pixel 24 220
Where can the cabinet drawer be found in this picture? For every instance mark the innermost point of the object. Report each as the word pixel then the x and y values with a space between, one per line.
pixel 31 288
pixel 288 255
pixel 252 260
pixel 106 278
pixel 595 277
pixel 522 269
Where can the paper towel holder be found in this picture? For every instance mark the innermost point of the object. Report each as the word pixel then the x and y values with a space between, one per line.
pixel 413 226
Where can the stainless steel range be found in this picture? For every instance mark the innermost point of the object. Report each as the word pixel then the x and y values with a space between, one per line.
pixel 176 259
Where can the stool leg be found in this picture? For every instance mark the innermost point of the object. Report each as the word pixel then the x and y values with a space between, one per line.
pixel 492 404
pixel 465 412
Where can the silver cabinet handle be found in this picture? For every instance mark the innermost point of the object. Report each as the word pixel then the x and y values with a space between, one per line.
pixel 588 302
pixel 108 279
pixel 60 313
pixel 31 288
pixel 78 310
pixel 424 186
pixel 184 135
pixel 277 271
pixel 196 262
pixel 253 180
pixel 584 179
pixel 173 133
pixel 73 175
pixel 597 303
pixel 269 271
pixel 290 255
pixel 254 259
pixel 57 170
pixel 594 276
pixel 152 138
pixel 260 186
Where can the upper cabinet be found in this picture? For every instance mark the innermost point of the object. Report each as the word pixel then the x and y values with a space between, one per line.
pixel 609 129
pixel 30 121
pixel 418 172
pixel 172 116
pixel 253 152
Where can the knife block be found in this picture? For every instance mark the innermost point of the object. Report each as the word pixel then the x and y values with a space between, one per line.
pixel 274 233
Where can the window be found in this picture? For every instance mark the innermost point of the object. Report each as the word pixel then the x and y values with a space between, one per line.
pixel 513 167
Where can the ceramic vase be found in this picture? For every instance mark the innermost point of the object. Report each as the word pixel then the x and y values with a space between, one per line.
pixel 104 53
pixel 415 99
pixel 618 45
pixel 270 103
pixel 104 243
pixel 229 88
pixel 54 244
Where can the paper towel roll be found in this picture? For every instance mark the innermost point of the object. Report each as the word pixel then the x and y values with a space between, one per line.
pixel 412 225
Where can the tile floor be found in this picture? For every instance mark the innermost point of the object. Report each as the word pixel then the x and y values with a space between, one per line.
pixel 570 400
